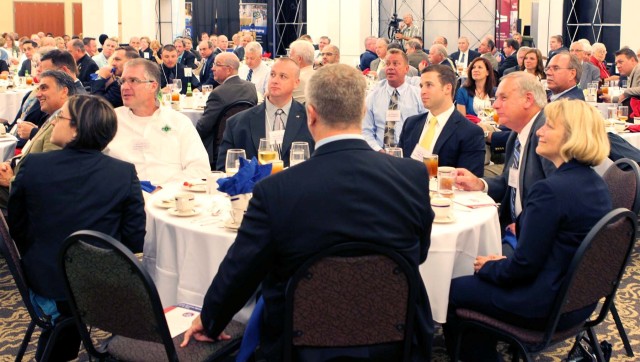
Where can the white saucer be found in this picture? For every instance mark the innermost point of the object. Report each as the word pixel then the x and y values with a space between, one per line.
pixel 193 212
pixel 195 188
pixel 231 225
pixel 165 203
pixel 447 220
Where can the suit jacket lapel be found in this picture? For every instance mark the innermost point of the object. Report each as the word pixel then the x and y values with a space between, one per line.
pixel 417 131
pixel 294 122
pixel 257 124
pixel 525 155
pixel 447 131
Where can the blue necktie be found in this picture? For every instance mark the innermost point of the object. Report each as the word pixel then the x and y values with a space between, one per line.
pixel 516 164
pixel 250 75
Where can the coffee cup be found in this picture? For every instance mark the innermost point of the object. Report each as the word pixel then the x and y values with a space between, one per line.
pixel 636 120
pixel 239 204
pixel 185 202
pixel 442 208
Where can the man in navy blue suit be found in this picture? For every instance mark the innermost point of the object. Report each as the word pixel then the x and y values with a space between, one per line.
pixel 343 187
pixel 443 130
pixel 206 51
pixel 563 75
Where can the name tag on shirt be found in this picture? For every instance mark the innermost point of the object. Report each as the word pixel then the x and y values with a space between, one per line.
pixel 276 137
pixel 393 116
pixel 187 72
pixel 146 55
pixel 140 145
pixel 514 177
pixel 419 153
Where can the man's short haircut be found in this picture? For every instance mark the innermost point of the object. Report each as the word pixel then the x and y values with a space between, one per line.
pixel 113 39
pixel 169 48
pixel 337 92
pixel 336 50
pixel 229 59
pixel 209 44
pixel 630 54
pixel 558 38
pixel 78 44
pixel 87 40
pixel 129 52
pixel 445 76
pixel 463 38
pixel 394 45
pixel 512 43
pixel 398 51
pixel 326 38
pixel 524 49
pixel 491 44
pixel 586 139
pixel 528 83
pixel 62 79
pixel 253 47
pixel 414 44
pixel 61 59
pixel 441 50
pixel 304 49
pixel 574 63
pixel 419 39
pixel 367 39
pixel 95 121
pixel 290 61
pixel 178 40
pixel 33 43
pixel 151 69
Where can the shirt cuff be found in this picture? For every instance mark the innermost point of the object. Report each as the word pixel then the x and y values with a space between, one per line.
pixel 486 186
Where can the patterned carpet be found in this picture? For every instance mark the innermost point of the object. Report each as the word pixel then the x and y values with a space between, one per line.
pixel 14 320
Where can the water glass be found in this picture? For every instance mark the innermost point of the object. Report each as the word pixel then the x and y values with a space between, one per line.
pixel 612 113
pixel 299 153
pixel 212 181
pixel 232 164
pixel 446 180
pixel 177 85
pixel 623 113
pixel 394 151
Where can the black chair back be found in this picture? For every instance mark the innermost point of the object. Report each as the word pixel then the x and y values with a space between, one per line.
pixel 353 294
pixel 227 112
pixel 623 179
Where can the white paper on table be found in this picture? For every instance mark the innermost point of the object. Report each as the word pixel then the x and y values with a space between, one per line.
pixel 179 317
pixel 473 200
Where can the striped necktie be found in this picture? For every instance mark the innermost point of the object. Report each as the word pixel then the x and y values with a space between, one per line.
pixel 390 126
pixel 515 165
pixel 250 75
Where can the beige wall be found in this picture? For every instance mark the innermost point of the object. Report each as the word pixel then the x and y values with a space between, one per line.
pixel 525 12
pixel 6 15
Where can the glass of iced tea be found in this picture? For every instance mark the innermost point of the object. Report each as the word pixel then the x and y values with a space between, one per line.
pixel 29 80
pixel 446 180
pixel 277 166
pixel 431 161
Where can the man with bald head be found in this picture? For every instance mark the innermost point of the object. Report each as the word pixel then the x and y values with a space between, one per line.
pixel 330 55
pixel 230 90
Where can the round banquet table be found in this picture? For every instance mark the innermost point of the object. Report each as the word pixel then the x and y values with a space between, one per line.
pixel 194 114
pixel 10 102
pixel 182 254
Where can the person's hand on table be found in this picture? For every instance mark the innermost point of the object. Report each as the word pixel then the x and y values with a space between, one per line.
pixel 481 260
pixel 467 181
pixel 24 129
pixel 197 332
pixel 6 173
pixel 606 98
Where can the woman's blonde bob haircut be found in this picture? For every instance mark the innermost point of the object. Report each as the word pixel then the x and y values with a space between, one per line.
pixel 585 138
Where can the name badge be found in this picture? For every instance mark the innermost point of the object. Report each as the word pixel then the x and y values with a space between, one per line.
pixel 393 116
pixel 187 72
pixel 276 137
pixel 514 177
pixel 146 55
pixel 419 152
pixel 140 145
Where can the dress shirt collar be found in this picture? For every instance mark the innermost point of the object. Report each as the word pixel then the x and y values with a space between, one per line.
pixel 271 109
pixel 229 77
pixel 523 136
pixel 556 96
pixel 339 137
pixel 401 89
pixel 442 117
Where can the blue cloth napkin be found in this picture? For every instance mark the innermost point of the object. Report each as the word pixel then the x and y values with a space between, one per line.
pixel 147 186
pixel 248 175
pixel 251 337
pixel 509 238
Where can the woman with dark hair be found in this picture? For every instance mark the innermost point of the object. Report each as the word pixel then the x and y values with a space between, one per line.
pixel 59 192
pixel 532 63
pixel 478 89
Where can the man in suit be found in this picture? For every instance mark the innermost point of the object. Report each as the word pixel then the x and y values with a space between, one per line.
pixel 438 55
pixel 106 85
pixel 520 99
pixel 206 52
pixel 464 55
pixel 369 54
pixel 378 64
pixel 590 73
pixel 231 89
pixel 520 57
pixel 563 74
pixel 627 64
pixel 184 57
pixel 279 111
pixel 443 130
pixel 86 65
pixel 415 53
pixel 555 44
pixel 240 50
pixel 171 69
pixel 273 241
pixel 90 46
pixel 485 49
pixel 28 48
pixel 510 49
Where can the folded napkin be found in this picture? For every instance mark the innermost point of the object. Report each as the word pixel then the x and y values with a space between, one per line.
pixel 147 186
pixel 248 175
pixel 366 71
pixel 634 127
pixel 266 55
pixel 473 118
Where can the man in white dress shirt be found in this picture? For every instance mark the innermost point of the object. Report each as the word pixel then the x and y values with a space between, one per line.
pixel 163 144
pixel 302 53
pixel 254 69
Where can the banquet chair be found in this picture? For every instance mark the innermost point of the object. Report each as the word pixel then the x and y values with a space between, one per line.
pixel 623 180
pixel 594 273
pixel 12 256
pixel 351 295
pixel 108 289
pixel 227 112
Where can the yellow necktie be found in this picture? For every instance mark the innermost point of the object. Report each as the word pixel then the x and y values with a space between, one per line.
pixel 427 139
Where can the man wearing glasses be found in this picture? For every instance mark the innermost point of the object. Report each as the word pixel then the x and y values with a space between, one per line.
pixel 160 142
pixel 563 73
pixel 330 55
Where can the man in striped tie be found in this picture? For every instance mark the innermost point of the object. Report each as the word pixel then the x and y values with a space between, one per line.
pixel 519 102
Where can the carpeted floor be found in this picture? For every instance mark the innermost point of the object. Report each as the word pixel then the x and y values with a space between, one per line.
pixel 14 320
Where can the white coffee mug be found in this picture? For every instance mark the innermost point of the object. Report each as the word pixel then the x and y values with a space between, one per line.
pixel 442 208
pixel 185 202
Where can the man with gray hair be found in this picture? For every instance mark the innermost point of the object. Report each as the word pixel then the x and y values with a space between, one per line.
pixel 185 57
pixel 486 50
pixel 369 54
pixel 589 71
pixel 231 89
pixel 438 55
pixel 254 69
pixel 86 65
pixel 268 250
pixel 464 55
pixel 330 55
pixel 415 53
pixel 301 52
pixel 162 143
pixel 408 29
pixel 563 73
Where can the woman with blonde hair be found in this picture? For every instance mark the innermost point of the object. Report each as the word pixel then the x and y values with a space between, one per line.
pixel 156 51
pixel 556 218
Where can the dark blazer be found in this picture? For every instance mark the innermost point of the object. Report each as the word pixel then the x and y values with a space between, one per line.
pixel 196 54
pixel 59 192
pixel 573 93
pixel 532 169
pixel 26 67
pixel 554 52
pixel 232 90
pixel 188 59
pixel 621 148
pixel 34 115
pixel 556 218
pixel 277 235
pixel 147 51
pixel 245 129
pixel 206 71
pixel 460 143
pixel 472 55
pixel 170 74
pixel 508 62
pixel 86 67
pixel 111 92
pixel 239 52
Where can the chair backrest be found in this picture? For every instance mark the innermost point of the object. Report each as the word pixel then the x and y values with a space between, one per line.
pixel 598 266
pixel 353 294
pixel 227 112
pixel 623 179
pixel 108 289
pixel 12 256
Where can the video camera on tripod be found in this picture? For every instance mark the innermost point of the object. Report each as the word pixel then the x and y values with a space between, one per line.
pixel 394 26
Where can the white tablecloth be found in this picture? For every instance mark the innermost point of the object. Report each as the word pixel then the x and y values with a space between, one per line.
pixel 10 103
pixel 193 114
pixel 7 146
pixel 183 254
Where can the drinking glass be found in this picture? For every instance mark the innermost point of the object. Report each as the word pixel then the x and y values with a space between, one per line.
pixel 623 83
pixel 612 113
pixel 446 180
pixel 233 160
pixel 266 153
pixel 431 161
pixel 177 85
pixel 277 166
pixel 623 113
pixel 299 153
pixel 212 181
pixel 394 151
pixel 206 89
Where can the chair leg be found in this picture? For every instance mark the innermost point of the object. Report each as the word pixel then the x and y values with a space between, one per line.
pixel 25 341
pixel 621 331
pixel 595 346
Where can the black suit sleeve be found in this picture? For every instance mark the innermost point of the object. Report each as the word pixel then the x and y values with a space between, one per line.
pixel 472 152
pixel 111 94
pixel 189 60
pixel 226 143
pixel 133 216
pixel 208 124
pixel 18 219
pixel 24 68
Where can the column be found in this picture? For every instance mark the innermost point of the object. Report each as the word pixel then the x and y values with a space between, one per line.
pixel 99 17
pixel 139 19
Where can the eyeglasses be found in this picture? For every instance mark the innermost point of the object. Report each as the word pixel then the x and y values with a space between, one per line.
pixel 220 65
pixel 553 68
pixel 327 54
pixel 59 116
pixel 132 81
